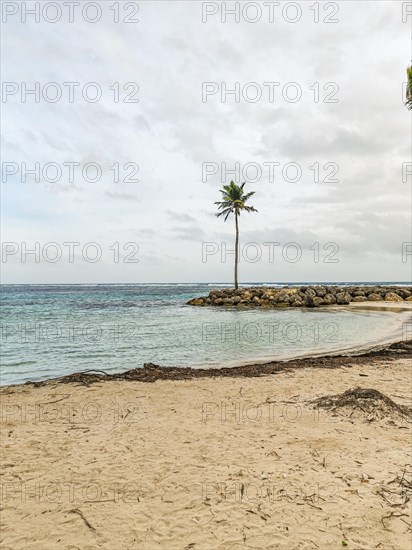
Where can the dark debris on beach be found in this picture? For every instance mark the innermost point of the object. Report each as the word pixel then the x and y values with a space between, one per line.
pixel 367 400
pixel 151 372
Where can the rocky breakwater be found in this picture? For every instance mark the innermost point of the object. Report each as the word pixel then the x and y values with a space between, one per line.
pixel 302 296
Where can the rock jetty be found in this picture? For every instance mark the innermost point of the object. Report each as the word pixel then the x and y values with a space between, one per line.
pixel 302 296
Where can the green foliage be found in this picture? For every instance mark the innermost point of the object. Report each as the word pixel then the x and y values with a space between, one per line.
pixel 409 87
pixel 234 200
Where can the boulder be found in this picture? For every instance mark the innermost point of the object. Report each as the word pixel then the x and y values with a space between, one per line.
pixel 408 299
pixel 374 297
pixel 321 291
pixel 329 299
pixel 359 299
pixel 218 302
pixel 313 301
pixel 282 297
pixel 392 297
pixel 343 298
pixel 196 302
pixel 358 293
pixel 406 293
pixel 373 290
pixel 403 292
pixel 310 292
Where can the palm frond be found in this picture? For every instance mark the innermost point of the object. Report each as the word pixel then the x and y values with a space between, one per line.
pixel 234 200
pixel 409 88
pixel 225 213
pixel 248 195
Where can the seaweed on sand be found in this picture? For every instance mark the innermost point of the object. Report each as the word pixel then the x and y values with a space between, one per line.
pixel 373 403
pixel 151 372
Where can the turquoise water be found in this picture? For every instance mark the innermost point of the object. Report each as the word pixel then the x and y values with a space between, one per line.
pixel 50 331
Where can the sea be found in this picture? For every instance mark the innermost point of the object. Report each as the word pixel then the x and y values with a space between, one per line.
pixel 49 331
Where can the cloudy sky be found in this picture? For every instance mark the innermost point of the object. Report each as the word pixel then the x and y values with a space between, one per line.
pixel 324 145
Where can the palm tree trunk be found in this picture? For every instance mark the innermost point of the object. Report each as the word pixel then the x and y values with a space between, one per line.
pixel 236 250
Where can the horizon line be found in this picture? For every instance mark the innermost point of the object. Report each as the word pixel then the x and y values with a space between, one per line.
pixel 204 283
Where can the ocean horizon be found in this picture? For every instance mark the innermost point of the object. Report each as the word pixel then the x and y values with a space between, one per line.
pixel 228 284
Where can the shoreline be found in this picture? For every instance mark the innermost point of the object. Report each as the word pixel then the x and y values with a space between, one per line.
pixel 151 372
pixel 394 335
pixel 390 337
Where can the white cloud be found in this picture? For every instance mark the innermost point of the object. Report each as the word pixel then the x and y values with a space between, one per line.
pixel 170 132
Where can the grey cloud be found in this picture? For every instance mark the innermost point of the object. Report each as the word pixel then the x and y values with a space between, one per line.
pixel 189 233
pixel 180 216
pixel 170 132
pixel 343 141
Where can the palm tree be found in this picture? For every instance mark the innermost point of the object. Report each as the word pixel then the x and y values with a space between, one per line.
pixel 409 88
pixel 234 201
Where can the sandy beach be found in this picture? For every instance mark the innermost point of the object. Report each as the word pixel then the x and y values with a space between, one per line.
pixel 201 463
pixel 206 259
